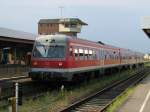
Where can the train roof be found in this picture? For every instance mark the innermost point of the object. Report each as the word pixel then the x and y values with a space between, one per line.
pixel 58 38
pixel 64 38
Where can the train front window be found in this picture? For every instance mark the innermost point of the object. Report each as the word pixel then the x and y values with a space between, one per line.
pixel 52 51
pixel 56 52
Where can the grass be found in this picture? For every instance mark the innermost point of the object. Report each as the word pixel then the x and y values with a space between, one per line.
pixel 147 64
pixel 54 101
pixel 120 100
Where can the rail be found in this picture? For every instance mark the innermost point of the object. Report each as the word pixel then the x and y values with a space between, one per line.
pixel 98 102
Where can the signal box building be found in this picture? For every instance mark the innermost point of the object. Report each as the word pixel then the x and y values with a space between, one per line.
pixel 67 26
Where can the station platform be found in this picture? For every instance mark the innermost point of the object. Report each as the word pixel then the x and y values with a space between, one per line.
pixel 139 100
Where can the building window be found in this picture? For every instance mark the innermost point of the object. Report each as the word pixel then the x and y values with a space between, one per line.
pixel 73 25
pixel 67 25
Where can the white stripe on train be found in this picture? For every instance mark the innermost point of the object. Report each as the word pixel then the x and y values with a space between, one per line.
pixel 80 69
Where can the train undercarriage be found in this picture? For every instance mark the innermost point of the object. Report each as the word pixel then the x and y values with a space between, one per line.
pixel 80 75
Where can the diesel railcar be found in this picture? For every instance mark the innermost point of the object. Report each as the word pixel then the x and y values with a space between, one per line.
pixel 66 58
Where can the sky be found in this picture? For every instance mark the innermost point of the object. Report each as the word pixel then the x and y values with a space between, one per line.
pixel 114 22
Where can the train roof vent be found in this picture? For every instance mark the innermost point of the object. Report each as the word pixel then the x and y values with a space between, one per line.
pixel 100 42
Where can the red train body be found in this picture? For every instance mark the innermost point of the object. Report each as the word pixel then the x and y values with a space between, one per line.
pixel 60 56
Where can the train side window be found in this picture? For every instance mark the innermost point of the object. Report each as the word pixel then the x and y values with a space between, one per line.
pixel 76 53
pixel 81 55
pixel 97 55
pixel 71 51
pixel 111 55
pixel 101 54
pixel 94 55
pixel 90 54
pixel 86 54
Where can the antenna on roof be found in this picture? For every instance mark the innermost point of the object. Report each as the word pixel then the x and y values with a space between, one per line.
pixel 61 11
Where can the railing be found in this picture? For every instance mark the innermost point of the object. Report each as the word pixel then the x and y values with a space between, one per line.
pixel 13 70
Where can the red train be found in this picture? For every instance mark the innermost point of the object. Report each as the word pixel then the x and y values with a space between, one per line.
pixel 67 58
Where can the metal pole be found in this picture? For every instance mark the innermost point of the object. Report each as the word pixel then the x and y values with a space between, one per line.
pixel 61 8
pixel 17 89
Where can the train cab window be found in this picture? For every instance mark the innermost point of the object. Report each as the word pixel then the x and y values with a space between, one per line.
pixel 81 54
pixel 55 51
pixel 76 53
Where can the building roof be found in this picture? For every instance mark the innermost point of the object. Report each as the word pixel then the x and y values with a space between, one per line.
pixel 5 32
pixel 63 20
pixel 145 25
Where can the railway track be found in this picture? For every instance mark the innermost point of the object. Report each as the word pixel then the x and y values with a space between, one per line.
pixel 31 90
pixel 101 100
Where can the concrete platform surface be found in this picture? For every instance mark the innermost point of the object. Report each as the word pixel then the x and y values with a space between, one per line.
pixel 139 100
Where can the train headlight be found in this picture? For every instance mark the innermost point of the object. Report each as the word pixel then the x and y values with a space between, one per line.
pixel 60 64
pixel 35 63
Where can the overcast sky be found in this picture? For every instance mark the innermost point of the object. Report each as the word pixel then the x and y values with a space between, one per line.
pixel 115 22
